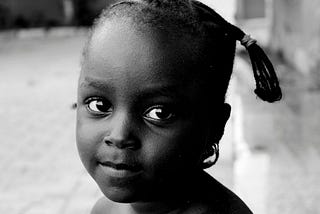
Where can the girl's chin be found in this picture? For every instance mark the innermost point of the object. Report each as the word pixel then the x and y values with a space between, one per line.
pixel 120 194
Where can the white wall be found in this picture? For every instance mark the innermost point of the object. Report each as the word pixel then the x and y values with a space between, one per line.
pixel 226 8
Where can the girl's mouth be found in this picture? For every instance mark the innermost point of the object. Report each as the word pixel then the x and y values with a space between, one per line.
pixel 120 170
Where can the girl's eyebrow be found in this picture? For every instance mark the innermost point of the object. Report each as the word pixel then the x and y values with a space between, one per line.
pixel 164 91
pixel 145 92
pixel 95 83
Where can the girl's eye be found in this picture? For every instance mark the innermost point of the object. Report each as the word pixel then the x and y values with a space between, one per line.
pixel 98 106
pixel 159 113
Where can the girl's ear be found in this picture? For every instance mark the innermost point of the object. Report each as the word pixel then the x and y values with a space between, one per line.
pixel 216 126
pixel 218 122
pixel 226 112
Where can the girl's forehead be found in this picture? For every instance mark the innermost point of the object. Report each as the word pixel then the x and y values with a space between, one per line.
pixel 118 41
pixel 120 54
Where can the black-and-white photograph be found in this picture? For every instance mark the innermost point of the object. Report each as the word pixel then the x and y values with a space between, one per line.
pixel 159 106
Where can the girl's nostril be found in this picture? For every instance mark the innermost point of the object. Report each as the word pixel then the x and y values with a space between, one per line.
pixel 131 144
pixel 108 142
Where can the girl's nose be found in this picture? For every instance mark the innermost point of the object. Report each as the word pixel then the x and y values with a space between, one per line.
pixel 121 133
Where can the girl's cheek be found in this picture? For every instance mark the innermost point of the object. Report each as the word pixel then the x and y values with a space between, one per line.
pixel 168 149
pixel 87 143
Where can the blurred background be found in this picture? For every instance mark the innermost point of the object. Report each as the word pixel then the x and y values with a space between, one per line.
pixel 270 153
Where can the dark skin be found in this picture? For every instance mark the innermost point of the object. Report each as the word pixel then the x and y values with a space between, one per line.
pixel 209 197
pixel 143 123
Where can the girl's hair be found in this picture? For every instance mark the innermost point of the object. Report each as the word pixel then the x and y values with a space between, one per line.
pixel 215 38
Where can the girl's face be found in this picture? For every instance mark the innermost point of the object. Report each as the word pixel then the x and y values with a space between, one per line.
pixel 141 118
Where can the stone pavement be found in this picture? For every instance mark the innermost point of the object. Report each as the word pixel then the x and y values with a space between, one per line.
pixel 40 169
pixel 269 155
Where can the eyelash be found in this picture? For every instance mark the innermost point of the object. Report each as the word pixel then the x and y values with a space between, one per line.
pixel 151 114
pixel 152 110
pixel 97 112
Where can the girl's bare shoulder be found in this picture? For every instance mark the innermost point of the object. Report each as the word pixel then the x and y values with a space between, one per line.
pixel 219 199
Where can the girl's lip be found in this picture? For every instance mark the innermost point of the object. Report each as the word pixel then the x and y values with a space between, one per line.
pixel 121 166
pixel 120 170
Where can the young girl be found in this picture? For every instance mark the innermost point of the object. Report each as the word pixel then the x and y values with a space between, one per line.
pixel 151 107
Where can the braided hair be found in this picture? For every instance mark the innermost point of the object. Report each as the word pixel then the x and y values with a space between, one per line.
pixel 195 18
pixel 215 40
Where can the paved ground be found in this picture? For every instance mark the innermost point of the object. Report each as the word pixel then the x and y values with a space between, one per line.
pixel 269 156
pixel 40 169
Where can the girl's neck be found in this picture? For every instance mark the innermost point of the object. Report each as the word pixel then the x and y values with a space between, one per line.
pixel 174 198
pixel 155 207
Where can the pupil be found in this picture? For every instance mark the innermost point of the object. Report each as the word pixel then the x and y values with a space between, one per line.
pixel 162 114
pixel 101 107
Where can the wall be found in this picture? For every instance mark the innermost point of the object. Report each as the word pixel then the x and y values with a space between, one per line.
pixel 227 9
pixel 87 10
pixel 248 9
pixel 29 13
pixel 296 34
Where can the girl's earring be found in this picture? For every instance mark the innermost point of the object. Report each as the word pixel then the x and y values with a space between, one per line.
pixel 211 156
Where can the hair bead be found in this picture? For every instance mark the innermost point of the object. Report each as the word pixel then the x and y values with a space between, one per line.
pixel 246 41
